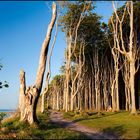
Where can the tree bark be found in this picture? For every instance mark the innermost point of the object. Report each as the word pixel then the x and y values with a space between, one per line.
pixel 22 94
pixel 132 89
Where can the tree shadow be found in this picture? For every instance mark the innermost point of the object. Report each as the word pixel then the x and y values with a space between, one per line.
pixel 139 134
pixel 138 112
pixel 116 131
pixel 102 115
pixel 50 130
pixel 106 133
pixel 48 125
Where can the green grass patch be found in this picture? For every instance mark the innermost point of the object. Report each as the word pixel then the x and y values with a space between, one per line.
pixel 14 129
pixel 121 124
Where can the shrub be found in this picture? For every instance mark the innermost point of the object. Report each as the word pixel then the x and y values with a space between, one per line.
pixel 2 115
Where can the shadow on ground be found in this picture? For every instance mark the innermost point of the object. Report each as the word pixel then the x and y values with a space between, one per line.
pixel 72 125
pixel 117 131
pixel 139 134
pixel 52 130
pixel 102 115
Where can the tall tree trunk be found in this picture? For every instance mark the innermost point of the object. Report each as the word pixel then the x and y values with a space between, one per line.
pixel 57 100
pixel 117 91
pixel 43 102
pixel 90 95
pixel 93 99
pixel 132 89
pixel 32 94
pixel 22 94
pixel 49 71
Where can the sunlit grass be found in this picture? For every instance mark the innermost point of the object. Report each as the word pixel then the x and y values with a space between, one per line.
pixel 13 128
pixel 121 124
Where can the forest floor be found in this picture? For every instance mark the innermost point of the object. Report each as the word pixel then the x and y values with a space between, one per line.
pixel 57 118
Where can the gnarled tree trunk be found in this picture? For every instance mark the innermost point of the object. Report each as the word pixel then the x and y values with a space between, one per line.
pixel 29 97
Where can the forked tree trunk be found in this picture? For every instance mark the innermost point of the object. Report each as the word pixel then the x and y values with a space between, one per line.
pixel 29 97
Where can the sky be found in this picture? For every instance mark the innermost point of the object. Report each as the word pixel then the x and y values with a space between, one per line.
pixel 23 26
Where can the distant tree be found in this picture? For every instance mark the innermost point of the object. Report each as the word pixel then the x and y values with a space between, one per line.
pixel 55 93
pixel 85 38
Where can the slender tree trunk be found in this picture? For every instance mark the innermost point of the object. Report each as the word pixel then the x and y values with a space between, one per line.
pixel 43 102
pixel 49 71
pixel 90 95
pixel 57 100
pixel 117 91
pixel 132 89
pixel 105 97
pixel 22 94
pixel 126 100
pixel 132 61
pixel 64 97
pixel 93 94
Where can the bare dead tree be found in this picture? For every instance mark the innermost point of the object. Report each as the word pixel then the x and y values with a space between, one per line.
pixel 31 95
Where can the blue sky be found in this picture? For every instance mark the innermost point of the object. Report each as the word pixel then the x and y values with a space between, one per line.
pixel 23 26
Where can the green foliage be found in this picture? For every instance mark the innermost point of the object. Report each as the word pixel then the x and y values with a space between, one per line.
pixel 2 115
pixel 73 11
pixel 69 114
pixel 1 66
pixel 91 31
pixel 76 114
pixel 3 84
pixel 63 68
pixel 57 79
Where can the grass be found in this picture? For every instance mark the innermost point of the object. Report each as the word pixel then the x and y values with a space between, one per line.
pixel 14 129
pixel 2 115
pixel 121 124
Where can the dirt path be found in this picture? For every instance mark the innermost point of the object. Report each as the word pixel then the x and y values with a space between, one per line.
pixel 56 117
